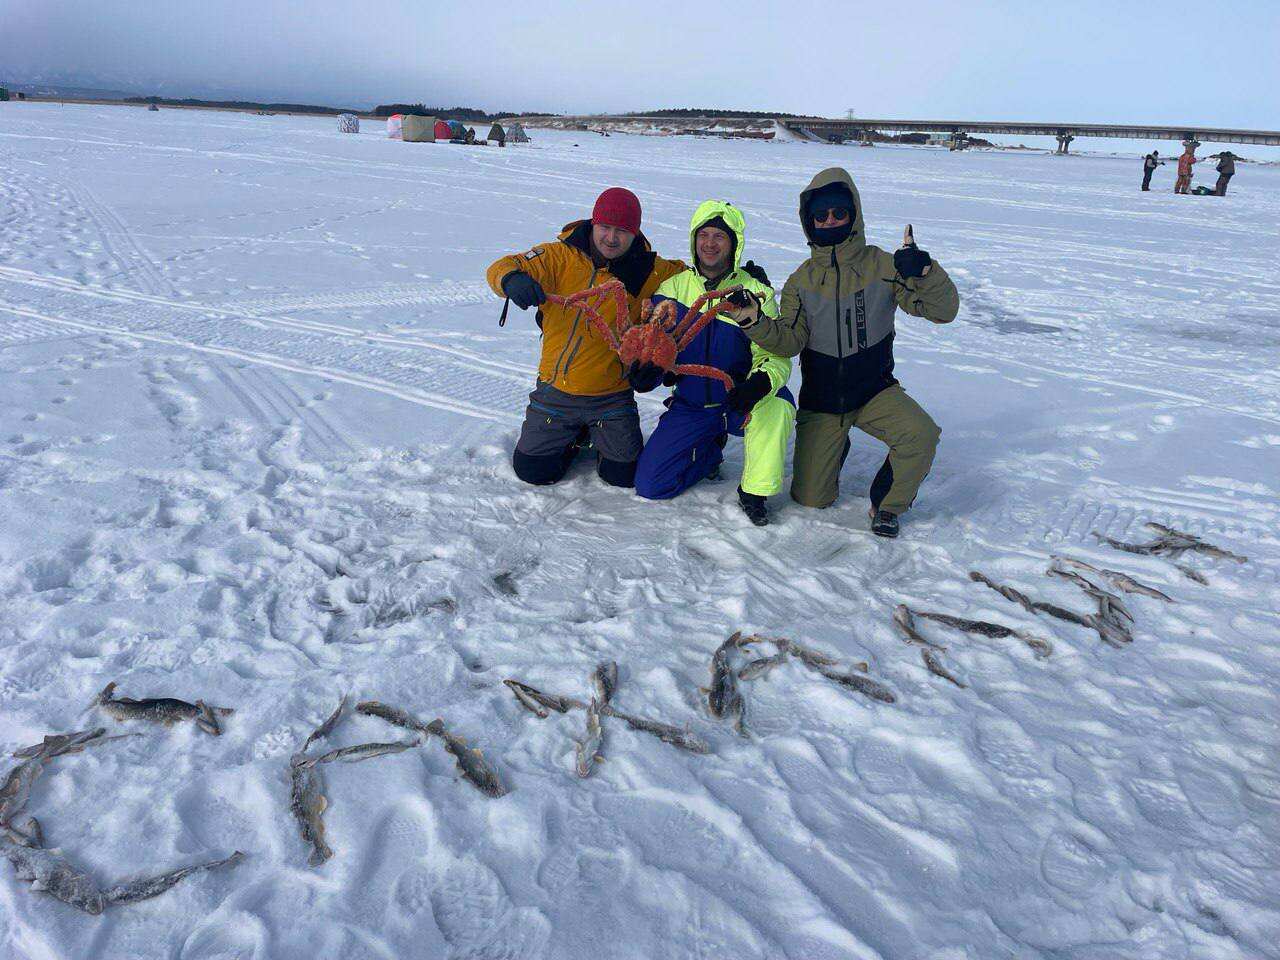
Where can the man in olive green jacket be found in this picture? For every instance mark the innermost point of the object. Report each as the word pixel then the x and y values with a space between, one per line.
pixel 837 313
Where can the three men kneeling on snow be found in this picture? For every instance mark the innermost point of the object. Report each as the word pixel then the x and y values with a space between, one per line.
pixel 837 314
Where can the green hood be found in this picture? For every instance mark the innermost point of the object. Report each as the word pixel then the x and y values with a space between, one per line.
pixel 731 215
pixel 857 237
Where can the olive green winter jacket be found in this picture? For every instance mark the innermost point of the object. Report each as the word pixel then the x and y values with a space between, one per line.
pixel 838 309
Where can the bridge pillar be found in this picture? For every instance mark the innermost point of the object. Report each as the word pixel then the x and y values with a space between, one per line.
pixel 1064 142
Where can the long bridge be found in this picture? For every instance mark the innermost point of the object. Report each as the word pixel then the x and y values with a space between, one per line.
pixel 838 131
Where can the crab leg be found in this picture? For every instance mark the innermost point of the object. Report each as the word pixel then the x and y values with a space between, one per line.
pixel 690 332
pixel 589 310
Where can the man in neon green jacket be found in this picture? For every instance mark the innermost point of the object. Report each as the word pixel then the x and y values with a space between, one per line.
pixel 687 445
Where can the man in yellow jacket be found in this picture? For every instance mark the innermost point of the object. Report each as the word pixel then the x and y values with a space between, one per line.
pixel 582 389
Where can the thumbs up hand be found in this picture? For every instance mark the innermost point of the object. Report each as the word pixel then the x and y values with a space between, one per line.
pixel 909 260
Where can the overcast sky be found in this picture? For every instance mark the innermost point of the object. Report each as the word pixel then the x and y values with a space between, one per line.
pixel 1212 62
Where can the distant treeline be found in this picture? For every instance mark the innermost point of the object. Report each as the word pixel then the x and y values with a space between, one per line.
pixel 243 105
pixel 383 110
pixel 449 113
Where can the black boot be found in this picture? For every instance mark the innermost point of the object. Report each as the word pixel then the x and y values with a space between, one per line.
pixel 884 524
pixel 754 507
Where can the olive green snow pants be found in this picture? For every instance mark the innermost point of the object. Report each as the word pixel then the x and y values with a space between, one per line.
pixel 892 417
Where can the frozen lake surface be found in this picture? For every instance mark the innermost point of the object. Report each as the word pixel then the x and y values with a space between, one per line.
pixel 255 429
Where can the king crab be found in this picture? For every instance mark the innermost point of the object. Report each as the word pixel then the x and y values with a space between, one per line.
pixel 659 336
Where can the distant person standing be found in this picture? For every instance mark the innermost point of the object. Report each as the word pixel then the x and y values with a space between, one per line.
pixel 1226 170
pixel 1186 163
pixel 1149 164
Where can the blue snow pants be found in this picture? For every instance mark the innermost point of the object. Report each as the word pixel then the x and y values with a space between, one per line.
pixel 686 446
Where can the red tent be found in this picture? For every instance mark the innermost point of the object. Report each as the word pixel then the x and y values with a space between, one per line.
pixel 442 130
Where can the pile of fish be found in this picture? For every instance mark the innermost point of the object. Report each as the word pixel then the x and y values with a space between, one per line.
pixel 307 795
pixel 46 868
pixel 1112 621
pixel 604 683
pixel 1173 544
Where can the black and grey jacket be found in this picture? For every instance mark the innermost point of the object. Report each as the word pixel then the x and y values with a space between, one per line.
pixel 838 311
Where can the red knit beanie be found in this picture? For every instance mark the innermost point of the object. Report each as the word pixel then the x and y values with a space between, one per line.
pixel 618 207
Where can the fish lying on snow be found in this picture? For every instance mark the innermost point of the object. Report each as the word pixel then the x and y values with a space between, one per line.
pixel 166 710
pixel 862 684
pixel 762 665
pixel 57 744
pixel 1108 621
pixel 906 623
pixel 361 751
pixel 1173 543
pixel 935 666
pixel 470 761
pixel 393 715
pixel 588 748
pixel 16 789
pixel 723 696
pixel 539 703
pixel 663 731
pixel 49 871
pixel 307 802
pixel 1122 581
pixel 820 663
pixel 605 681
pixel 1041 648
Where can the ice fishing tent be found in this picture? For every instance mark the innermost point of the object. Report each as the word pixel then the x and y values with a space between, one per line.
pixel 394 126
pixel 443 130
pixel 516 134
pixel 497 133
pixel 418 129
pixel 348 123
pixel 456 130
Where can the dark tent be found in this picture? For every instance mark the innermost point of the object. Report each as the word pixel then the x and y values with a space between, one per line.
pixel 497 133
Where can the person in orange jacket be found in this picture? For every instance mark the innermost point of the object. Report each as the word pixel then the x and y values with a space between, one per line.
pixel 582 391
pixel 1185 171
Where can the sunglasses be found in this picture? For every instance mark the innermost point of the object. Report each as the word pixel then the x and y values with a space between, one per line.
pixel 824 214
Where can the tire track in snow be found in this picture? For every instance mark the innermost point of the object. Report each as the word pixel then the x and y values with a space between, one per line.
pixel 135 265
pixel 404 392
pixel 514 372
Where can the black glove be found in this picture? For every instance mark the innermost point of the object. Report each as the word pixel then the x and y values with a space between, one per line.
pixel 747 393
pixel 911 262
pixel 669 379
pixel 523 290
pixel 756 272
pixel 643 377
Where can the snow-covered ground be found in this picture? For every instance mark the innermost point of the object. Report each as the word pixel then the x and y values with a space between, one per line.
pixel 255 428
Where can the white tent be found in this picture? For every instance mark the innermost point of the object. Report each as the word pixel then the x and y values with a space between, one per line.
pixel 393 126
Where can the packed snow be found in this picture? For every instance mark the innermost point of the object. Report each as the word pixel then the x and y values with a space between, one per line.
pixel 255 431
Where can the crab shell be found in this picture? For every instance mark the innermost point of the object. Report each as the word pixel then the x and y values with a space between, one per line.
pixel 648 343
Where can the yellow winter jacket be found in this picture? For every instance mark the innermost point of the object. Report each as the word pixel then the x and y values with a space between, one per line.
pixel 575 357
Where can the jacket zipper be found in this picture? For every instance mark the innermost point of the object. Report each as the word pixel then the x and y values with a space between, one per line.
pixel 572 330
pixel 839 348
